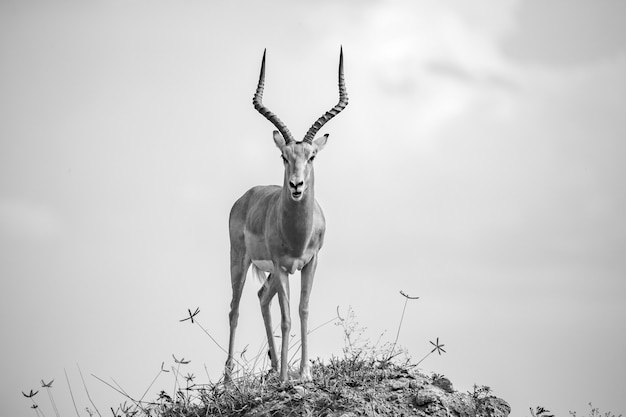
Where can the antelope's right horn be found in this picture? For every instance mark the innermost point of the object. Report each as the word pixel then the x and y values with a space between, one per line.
pixel 257 101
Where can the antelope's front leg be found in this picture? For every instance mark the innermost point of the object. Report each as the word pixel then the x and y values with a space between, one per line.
pixel 285 322
pixel 308 272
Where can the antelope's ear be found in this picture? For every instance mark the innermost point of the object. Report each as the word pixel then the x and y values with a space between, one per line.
pixel 321 142
pixel 279 140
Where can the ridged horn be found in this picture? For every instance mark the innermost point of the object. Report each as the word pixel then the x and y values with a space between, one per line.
pixel 257 101
pixel 343 102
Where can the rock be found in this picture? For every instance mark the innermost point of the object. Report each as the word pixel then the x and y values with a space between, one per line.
pixel 428 394
pixel 435 402
pixel 493 407
pixel 399 385
pixel 444 383
pixel 461 405
pixel 299 390
pixel 414 384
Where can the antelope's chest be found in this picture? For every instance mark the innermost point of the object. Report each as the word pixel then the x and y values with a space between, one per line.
pixel 292 264
pixel 293 256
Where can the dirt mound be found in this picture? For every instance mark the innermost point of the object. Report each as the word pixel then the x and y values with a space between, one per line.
pixel 349 388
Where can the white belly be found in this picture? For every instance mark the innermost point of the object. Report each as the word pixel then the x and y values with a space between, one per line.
pixel 267 266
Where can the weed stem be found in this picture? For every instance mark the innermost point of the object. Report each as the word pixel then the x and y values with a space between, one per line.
pixel 406 300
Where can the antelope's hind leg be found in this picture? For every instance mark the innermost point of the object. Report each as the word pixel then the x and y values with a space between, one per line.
pixel 266 294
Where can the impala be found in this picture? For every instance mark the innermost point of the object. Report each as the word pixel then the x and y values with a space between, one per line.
pixel 280 230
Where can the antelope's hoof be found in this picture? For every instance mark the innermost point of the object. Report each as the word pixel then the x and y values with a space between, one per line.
pixel 305 374
pixel 228 372
pixel 269 375
pixel 228 379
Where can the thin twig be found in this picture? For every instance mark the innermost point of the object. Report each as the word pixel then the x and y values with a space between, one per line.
pixel 209 334
pixel 121 391
pixel 421 360
pixel 175 371
pixel 261 353
pixel 137 404
pixel 216 343
pixel 192 318
pixel 152 383
pixel 54 406
pixel 71 393
pixel 113 388
pixel 87 391
pixel 206 370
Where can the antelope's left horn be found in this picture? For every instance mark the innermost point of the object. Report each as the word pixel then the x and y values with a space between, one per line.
pixel 343 102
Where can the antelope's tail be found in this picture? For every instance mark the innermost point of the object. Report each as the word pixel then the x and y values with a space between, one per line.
pixel 259 274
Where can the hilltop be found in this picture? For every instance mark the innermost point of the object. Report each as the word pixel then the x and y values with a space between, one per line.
pixel 346 387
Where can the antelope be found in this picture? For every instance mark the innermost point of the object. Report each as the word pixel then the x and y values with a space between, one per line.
pixel 280 230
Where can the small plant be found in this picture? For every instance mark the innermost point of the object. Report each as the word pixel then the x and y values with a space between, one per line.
pixel 30 396
pixel 540 412
pixel 595 412
pixel 352 333
pixel 383 353
pixel 480 392
pixel 48 386
pixel 438 347
pixel 435 376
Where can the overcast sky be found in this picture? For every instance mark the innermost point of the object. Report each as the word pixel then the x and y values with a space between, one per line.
pixel 479 166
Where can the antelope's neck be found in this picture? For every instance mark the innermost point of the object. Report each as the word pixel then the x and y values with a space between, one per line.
pixel 296 219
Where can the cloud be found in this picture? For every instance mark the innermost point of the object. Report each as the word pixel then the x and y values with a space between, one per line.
pixel 28 221
pixel 433 63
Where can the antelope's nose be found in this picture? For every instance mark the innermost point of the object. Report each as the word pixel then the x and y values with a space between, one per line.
pixel 296 184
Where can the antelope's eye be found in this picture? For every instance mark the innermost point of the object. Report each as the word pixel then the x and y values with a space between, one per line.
pixel 311 158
